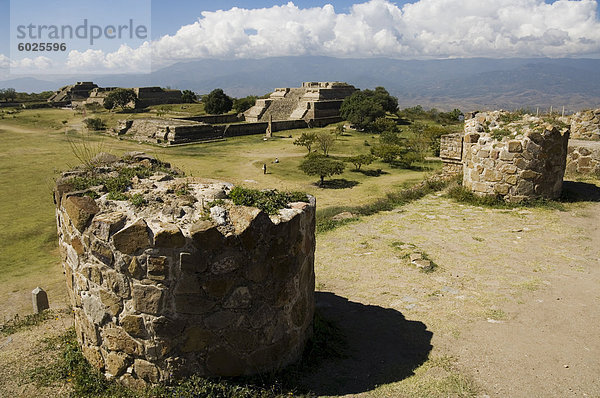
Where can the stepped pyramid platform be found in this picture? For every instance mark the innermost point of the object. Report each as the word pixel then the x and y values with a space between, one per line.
pixel 318 103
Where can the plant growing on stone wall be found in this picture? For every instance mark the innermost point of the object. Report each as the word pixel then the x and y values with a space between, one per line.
pixel 499 134
pixel 270 201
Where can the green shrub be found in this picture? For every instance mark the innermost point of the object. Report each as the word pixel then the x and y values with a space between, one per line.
pixel 270 201
pixel 94 124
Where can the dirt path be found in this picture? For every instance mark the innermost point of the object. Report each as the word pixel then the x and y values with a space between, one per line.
pixel 514 300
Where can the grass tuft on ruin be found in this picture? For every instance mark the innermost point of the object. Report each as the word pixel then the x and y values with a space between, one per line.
pixel 269 201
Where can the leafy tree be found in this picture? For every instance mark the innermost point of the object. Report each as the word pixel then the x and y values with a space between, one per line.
pixel 359 160
pixel 325 141
pixel 388 102
pixel 243 104
pixel 389 153
pixel 384 124
pixel 306 140
pixel 8 94
pixel 120 97
pixel 361 109
pixel 319 165
pixel 217 102
pixel 188 97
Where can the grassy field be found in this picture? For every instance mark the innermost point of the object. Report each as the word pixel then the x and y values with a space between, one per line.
pixel 36 146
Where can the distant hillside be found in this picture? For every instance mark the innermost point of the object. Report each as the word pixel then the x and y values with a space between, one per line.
pixel 464 83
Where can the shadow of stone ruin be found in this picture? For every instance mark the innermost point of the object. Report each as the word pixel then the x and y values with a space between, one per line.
pixel 382 347
pixel 574 191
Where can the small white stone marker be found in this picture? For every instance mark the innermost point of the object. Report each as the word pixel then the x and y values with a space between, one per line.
pixel 40 300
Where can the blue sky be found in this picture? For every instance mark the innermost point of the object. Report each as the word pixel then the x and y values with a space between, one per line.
pixel 416 29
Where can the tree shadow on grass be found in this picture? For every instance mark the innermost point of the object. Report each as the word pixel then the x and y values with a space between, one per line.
pixel 338 183
pixel 382 347
pixel 371 173
pixel 575 191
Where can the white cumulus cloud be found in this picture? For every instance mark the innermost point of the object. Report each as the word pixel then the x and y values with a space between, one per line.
pixel 375 28
pixel 426 28
pixel 124 60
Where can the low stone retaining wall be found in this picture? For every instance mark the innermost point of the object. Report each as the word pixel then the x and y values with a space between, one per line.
pixel 175 279
pixel 583 157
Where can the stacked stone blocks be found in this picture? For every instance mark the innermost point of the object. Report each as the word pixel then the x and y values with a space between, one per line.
pixel 170 289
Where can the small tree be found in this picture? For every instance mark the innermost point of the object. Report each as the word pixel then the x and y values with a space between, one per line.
pixel 120 97
pixel 359 160
pixel 388 153
pixel 306 140
pixel 325 142
pixel 243 104
pixel 189 97
pixel 319 165
pixel 94 123
pixel 384 124
pixel 8 94
pixel 217 102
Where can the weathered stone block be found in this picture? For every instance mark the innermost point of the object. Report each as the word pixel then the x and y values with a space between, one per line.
pixel 105 225
pixel 169 236
pixel 146 371
pixel 192 263
pixel 81 210
pixel 93 356
pixel 133 238
pixel 40 300
pixel 115 339
pixel 133 325
pixel 158 268
pixel 147 299
pixel 515 146
pixel 117 363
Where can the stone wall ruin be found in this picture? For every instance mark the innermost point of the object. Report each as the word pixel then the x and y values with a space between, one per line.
pixel 183 281
pixel 516 160
pixel 315 102
pixel 585 125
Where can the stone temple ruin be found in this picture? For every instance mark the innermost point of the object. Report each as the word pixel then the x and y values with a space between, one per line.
pixel 85 93
pixel 74 93
pixel 316 102
pixel 313 105
pixel 178 280
pixel 516 160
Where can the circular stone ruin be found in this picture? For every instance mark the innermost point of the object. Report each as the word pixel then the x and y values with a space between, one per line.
pixel 167 277
pixel 515 158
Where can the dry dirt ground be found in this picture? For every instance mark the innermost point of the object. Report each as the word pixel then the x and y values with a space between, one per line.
pixel 514 302
pixel 512 309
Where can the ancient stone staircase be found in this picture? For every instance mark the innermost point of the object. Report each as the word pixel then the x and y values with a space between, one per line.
pixel 283 108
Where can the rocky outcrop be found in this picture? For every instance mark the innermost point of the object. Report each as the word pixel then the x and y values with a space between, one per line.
pixel 169 277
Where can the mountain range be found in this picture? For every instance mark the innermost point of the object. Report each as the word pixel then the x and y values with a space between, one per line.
pixel 468 84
